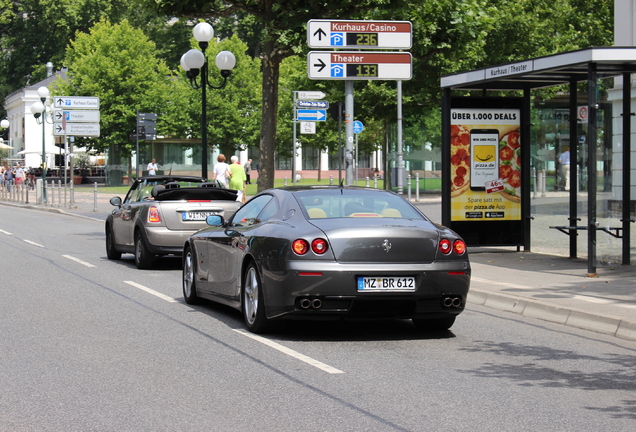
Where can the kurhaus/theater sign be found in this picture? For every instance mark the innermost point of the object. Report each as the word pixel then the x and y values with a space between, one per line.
pixel 509 69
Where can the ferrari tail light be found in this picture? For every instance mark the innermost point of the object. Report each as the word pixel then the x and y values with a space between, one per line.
pixel 319 246
pixel 445 246
pixel 459 247
pixel 300 247
pixel 153 214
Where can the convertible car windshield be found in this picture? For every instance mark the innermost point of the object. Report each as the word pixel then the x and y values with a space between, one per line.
pixel 337 203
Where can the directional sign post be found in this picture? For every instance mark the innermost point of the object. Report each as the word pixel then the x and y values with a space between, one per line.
pixel 311 115
pixel 359 34
pixel 359 65
pixel 76 129
pixel 79 116
pixel 76 102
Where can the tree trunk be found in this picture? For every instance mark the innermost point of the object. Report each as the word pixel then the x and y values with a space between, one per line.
pixel 271 70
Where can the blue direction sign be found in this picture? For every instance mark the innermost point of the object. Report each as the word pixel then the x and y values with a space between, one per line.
pixel 357 126
pixel 311 115
pixel 312 104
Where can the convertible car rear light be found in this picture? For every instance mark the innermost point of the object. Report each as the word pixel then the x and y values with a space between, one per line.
pixel 459 247
pixel 153 214
pixel 445 246
pixel 300 247
pixel 319 246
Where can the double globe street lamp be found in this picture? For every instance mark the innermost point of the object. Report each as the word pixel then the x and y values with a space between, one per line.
pixel 195 63
pixel 38 110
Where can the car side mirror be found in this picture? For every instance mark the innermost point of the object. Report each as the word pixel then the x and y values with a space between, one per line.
pixel 116 201
pixel 215 220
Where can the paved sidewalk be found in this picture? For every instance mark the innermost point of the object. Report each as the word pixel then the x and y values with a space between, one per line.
pixel 545 286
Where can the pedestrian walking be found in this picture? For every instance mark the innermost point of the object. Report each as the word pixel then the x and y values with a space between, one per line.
pixel 564 160
pixel 152 167
pixel 248 171
pixel 8 177
pixel 19 177
pixel 238 179
pixel 221 172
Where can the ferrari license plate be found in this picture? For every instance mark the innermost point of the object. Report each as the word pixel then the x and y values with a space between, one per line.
pixel 196 215
pixel 384 283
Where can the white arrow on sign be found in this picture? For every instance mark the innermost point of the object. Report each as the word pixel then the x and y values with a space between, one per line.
pixel 311 95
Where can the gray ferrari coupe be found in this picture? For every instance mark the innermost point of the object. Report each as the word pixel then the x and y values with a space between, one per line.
pixel 329 252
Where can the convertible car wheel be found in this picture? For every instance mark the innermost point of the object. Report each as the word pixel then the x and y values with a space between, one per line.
pixel 189 284
pixel 438 324
pixel 111 252
pixel 252 302
pixel 143 257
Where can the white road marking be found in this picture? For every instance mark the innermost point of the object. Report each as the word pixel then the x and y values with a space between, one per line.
pixel 32 243
pixel 77 260
pixel 505 284
pixel 151 291
pixel 5 232
pixel 290 352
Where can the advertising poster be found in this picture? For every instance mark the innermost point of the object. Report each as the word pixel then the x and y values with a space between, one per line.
pixel 485 164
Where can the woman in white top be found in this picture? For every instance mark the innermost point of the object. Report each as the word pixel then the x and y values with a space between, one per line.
pixel 221 172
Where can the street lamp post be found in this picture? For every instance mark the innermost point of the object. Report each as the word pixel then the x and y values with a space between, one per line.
pixel 195 61
pixel 39 110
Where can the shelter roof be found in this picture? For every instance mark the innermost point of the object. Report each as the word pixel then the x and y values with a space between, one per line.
pixel 546 71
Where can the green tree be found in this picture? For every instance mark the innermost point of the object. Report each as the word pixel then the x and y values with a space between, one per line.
pixel 282 24
pixel 117 63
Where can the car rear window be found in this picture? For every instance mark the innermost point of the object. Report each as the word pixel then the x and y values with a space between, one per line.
pixel 337 203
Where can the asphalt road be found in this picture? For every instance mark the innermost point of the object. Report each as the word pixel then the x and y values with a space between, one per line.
pixel 91 344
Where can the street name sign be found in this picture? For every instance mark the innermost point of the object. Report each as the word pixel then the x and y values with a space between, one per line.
pixel 311 115
pixel 80 116
pixel 312 104
pixel 76 102
pixel 76 129
pixel 359 34
pixel 359 65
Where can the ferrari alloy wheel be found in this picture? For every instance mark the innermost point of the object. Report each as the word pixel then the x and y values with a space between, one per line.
pixel 111 252
pixel 252 301
pixel 435 324
pixel 143 257
pixel 189 285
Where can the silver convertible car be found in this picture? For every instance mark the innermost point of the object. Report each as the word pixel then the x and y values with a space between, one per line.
pixel 160 212
pixel 329 252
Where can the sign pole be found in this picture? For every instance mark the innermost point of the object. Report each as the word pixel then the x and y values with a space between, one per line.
pixel 400 154
pixel 349 132
pixel 294 142
pixel 137 146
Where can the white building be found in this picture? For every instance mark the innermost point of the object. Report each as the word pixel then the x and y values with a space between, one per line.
pixel 26 135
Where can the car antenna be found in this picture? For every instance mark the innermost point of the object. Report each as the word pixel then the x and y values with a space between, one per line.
pixel 170 173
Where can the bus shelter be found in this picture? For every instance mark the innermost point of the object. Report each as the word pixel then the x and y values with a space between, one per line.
pixel 497 159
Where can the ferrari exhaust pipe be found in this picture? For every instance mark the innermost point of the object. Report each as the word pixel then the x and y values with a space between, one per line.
pixel 316 303
pixel 448 302
pixel 305 303
pixel 457 302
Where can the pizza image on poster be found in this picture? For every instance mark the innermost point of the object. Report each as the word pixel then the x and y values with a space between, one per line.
pixel 485 146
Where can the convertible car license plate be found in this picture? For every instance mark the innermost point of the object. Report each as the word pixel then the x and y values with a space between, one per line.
pixel 386 284
pixel 195 215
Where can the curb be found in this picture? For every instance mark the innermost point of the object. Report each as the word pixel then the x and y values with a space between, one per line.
pixel 567 316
